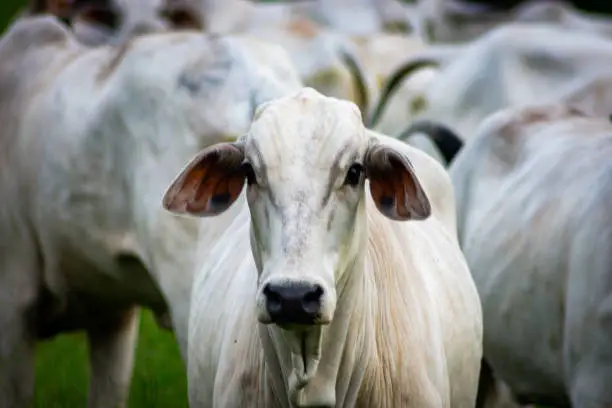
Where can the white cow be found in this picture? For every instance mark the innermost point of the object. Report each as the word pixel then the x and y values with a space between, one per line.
pixel 457 21
pixel 533 190
pixel 351 67
pixel 90 140
pixel 513 65
pixel 317 294
pixel 357 17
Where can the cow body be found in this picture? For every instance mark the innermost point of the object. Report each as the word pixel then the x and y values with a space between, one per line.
pixel 444 21
pixel 89 134
pixel 360 17
pixel 405 329
pixel 533 191
pixel 514 65
pixel 333 61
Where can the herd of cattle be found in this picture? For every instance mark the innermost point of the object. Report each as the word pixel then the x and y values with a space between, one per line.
pixel 426 220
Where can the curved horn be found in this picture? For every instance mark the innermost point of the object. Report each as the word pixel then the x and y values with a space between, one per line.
pixel 435 57
pixel 359 83
pixel 445 139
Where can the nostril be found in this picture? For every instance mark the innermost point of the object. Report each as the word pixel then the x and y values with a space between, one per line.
pixel 312 300
pixel 274 302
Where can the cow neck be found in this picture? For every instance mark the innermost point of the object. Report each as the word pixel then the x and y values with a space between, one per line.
pixel 343 344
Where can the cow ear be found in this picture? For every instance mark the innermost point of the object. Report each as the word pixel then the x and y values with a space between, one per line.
pixel 394 186
pixel 59 8
pixel 210 183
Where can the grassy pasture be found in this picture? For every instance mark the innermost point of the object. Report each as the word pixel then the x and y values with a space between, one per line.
pixel 159 376
pixel 62 371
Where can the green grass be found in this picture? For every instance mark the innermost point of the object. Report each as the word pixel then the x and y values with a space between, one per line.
pixel 62 373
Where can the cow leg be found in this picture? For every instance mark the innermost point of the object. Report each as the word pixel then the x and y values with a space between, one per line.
pixel 590 371
pixel 16 360
pixel 591 379
pixel 17 295
pixel 486 386
pixel 112 346
pixel 493 393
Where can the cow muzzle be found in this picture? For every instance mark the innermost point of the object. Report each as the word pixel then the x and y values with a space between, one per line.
pixel 289 303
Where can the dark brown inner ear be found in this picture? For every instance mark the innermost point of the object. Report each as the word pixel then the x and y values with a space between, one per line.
pixel 394 186
pixel 215 189
pixel 391 187
pixel 210 183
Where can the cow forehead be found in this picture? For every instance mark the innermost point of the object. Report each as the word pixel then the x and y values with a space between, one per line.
pixel 306 129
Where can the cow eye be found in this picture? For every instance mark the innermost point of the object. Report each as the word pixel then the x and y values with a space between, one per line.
pixel 353 175
pixel 249 173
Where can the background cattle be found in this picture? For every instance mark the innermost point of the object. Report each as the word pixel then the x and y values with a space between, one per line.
pixel 356 17
pixel 513 65
pixel 460 21
pixel 533 193
pixel 334 61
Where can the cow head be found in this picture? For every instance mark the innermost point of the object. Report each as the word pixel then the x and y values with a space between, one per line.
pixel 106 21
pixel 304 162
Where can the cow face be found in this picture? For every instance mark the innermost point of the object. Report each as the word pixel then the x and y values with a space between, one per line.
pixel 304 163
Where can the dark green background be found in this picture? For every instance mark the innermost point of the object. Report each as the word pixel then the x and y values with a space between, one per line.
pixel 8 8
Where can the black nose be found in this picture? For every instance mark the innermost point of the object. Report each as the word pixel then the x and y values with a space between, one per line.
pixel 293 303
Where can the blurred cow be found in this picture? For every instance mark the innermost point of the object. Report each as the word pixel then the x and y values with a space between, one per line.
pixel 513 65
pixel 90 139
pixel 457 21
pixel 356 17
pixel 325 60
pixel 331 60
pixel 533 189
pixel 340 64
pixel 316 294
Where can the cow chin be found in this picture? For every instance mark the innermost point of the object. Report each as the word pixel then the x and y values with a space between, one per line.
pixel 304 347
